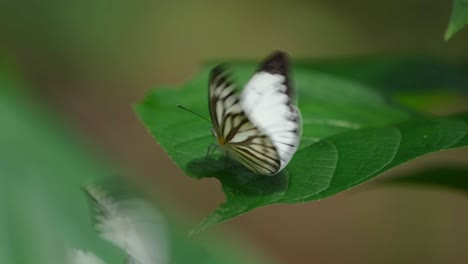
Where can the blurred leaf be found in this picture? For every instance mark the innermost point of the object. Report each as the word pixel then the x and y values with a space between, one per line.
pixel 432 101
pixel 43 210
pixel 350 135
pixel 458 19
pixel 42 168
pixel 447 177
pixel 398 73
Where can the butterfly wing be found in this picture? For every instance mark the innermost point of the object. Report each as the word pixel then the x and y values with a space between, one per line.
pixel 221 97
pixel 237 136
pixel 268 102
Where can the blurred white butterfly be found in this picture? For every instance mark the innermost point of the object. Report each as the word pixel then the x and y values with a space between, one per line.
pixel 77 256
pixel 261 128
pixel 133 225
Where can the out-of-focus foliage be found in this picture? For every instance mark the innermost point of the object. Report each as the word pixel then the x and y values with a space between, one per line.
pixel 458 19
pixel 43 211
pixel 398 73
pixel 452 178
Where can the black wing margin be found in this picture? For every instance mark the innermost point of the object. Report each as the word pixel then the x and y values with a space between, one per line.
pixel 278 63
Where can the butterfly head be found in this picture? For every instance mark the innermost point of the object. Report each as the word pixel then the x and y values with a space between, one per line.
pixel 219 137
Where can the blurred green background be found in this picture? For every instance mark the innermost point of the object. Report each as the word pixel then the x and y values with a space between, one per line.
pixel 88 62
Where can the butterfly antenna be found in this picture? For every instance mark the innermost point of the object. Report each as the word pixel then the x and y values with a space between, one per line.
pixel 186 109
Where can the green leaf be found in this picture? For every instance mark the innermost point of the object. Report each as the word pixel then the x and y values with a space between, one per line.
pixel 464 141
pixel 350 135
pixel 458 19
pixel 455 178
pixel 417 137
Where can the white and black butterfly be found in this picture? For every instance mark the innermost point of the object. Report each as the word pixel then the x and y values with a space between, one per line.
pixel 262 127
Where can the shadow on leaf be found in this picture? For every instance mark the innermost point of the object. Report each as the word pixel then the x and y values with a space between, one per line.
pixel 236 178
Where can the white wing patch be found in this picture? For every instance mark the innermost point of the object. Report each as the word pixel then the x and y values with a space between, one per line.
pixel 268 107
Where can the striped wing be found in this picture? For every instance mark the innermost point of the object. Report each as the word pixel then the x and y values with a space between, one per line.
pixel 237 136
pixel 268 102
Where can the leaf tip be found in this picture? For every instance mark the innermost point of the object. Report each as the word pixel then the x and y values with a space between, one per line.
pixel 212 219
pixel 449 32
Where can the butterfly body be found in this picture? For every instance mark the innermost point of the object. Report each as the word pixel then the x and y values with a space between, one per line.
pixel 261 128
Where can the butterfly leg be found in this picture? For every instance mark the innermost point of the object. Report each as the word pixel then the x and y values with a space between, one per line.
pixel 211 150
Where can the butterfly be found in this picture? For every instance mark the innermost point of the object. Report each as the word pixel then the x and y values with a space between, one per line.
pixel 262 127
